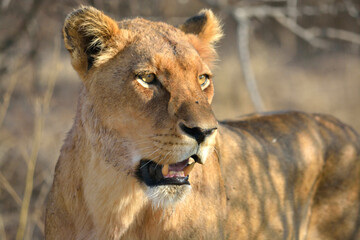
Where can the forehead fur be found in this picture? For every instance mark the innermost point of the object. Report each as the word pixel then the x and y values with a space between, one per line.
pixel 93 38
pixel 148 28
pixel 158 37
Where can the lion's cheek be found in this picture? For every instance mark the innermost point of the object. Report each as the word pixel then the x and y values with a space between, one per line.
pixel 209 92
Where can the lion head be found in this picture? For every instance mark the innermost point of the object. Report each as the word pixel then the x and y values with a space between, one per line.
pixel 147 94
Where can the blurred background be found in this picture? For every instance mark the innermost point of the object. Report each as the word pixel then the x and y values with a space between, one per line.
pixel 276 55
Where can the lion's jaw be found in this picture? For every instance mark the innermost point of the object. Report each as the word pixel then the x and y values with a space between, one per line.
pixel 169 195
pixel 171 186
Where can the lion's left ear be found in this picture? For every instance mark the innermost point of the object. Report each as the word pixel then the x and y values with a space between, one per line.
pixel 206 28
pixel 205 25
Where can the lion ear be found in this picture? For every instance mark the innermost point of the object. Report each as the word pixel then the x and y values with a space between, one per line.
pixel 91 37
pixel 206 27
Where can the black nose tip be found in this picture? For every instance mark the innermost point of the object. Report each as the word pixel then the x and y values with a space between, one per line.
pixel 196 132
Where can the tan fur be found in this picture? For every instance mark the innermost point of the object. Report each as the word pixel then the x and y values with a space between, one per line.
pixel 285 175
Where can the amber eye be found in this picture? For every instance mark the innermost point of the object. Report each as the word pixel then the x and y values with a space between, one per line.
pixel 204 81
pixel 146 77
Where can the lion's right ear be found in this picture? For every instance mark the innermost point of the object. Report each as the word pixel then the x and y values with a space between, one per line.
pixel 91 37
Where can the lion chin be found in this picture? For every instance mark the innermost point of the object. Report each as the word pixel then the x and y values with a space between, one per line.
pixel 167 195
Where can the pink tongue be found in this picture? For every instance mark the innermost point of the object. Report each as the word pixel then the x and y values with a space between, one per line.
pixel 176 167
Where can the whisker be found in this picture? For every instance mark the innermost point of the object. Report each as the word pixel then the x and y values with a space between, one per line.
pixel 150 156
pixel 157 149
pixel 163 158
pixel 143 141
pixel 216 152
pixel 145 164
pixel 145 148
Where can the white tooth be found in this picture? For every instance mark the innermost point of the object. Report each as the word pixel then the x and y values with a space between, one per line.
pixel 188 169
pixel 165 170
pixel 191 160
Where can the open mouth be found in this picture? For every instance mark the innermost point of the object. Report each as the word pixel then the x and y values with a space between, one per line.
pixel 154 174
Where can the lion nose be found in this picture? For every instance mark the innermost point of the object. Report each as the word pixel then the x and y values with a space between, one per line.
pixel 196 132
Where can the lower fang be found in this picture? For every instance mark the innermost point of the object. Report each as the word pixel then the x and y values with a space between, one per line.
pixel 188 169
pixel 165 170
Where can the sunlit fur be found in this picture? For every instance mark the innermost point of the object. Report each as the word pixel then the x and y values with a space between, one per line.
pixel 288 175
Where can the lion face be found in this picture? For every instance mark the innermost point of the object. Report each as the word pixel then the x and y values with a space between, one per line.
pixel 150 86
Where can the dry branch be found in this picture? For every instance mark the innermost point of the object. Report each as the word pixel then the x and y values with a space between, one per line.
pixel 30 172
pixel 13 38
pixel 337 34
pixel 2 229
pixel 314 36
pixel 244 54
pixel 351 9
pixel 6 99
pixel 7 186
pixel 301 32
pixel 287 17
pixel 292 9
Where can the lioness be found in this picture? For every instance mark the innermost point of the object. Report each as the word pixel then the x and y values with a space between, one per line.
pixel 128 168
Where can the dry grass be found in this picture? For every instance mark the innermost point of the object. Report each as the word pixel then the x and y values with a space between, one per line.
pixel 38 100
pixel 28 217
pixel 41 109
